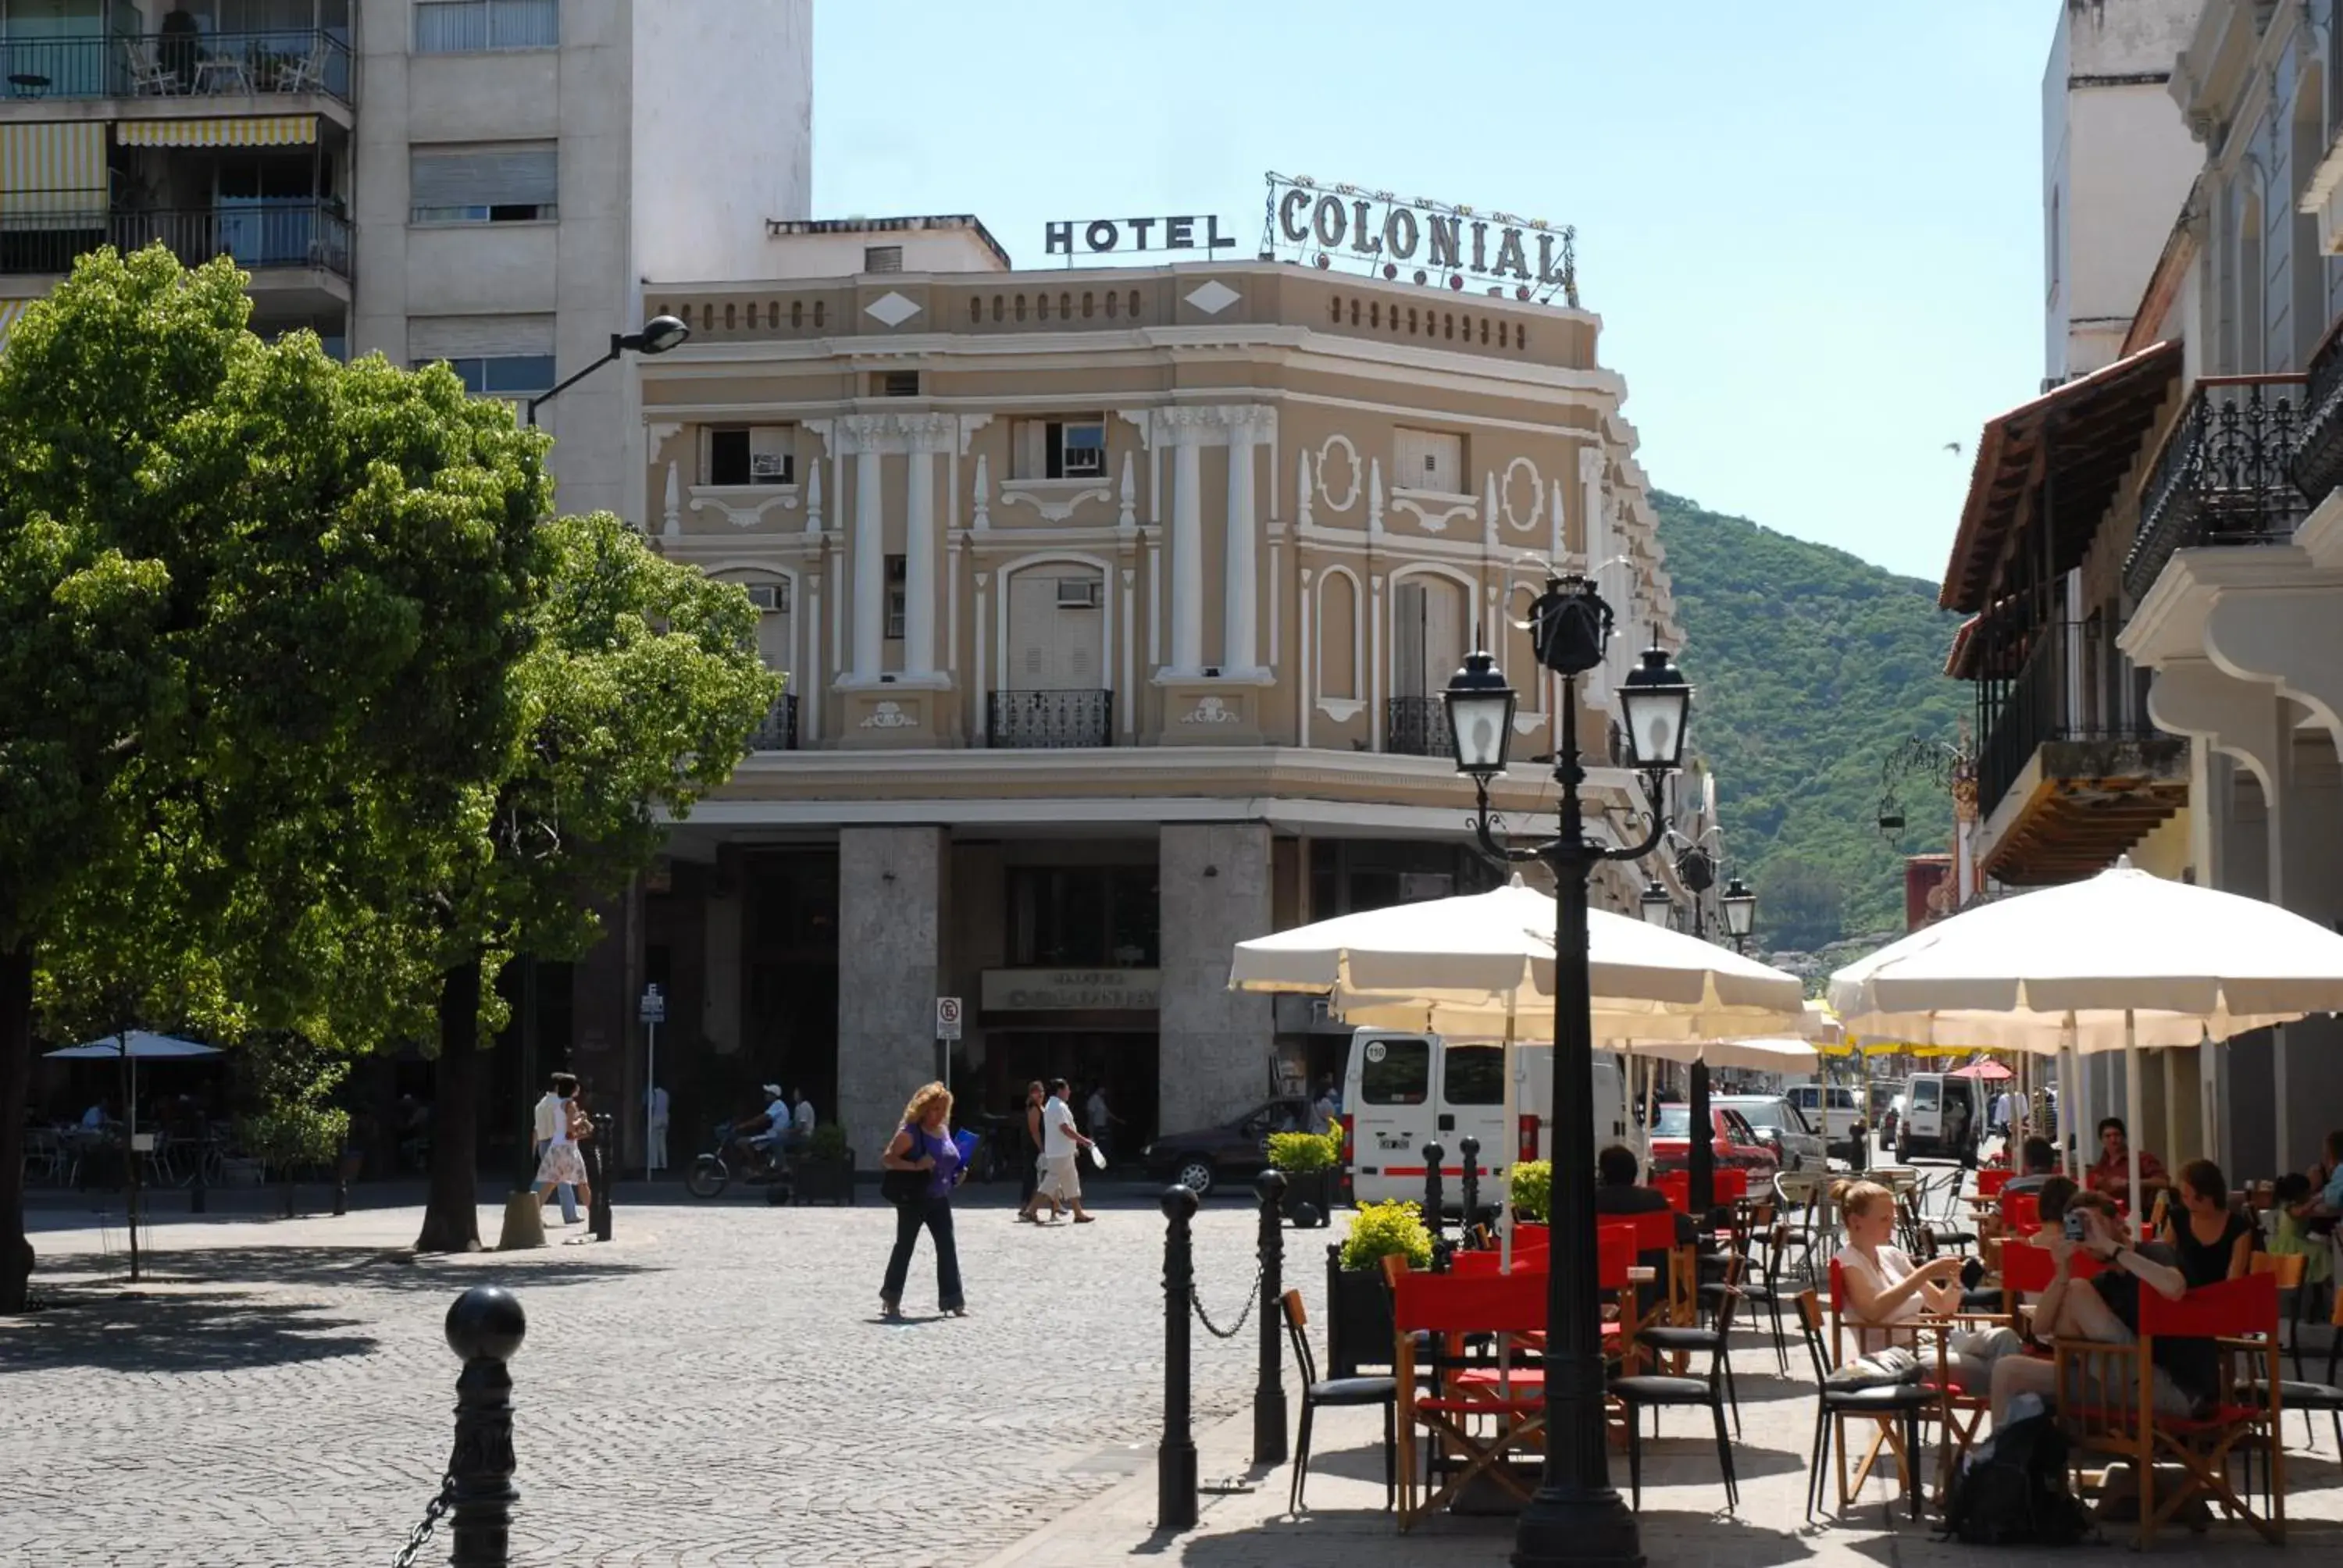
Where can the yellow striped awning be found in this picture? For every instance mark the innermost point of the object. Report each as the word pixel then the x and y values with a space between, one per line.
pixel 221 131
pixel 52 169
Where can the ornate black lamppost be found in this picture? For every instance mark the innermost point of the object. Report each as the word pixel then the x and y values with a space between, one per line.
pixel 1575 1517
pixel 1740 902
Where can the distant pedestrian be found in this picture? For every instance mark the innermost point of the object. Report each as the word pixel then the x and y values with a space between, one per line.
pixel 1328 1110
pixel 1102 1120
pixel 1062 1149
pixel 561 1166
pixel 803 1119
pixel 655 1108
pixel 552 1123
pixel 924 1143
pixel 1029 1129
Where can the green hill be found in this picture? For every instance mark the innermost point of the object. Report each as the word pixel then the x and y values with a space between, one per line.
pixel 1812 666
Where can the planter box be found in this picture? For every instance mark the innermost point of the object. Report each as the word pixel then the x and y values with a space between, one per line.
pixel 825 1180
pixel 1317 1189
pixel 1359 1327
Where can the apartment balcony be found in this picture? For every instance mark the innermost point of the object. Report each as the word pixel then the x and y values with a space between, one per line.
pixel 2071 775
pixel 2318 452
pixel 2225 474
pixel 1416 726
pixel 299 255
pixel 1049 720
pixel 214 74
pixel 779 732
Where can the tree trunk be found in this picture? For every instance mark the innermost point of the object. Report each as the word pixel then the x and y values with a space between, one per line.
pixel 16 1064
pixel 451 1213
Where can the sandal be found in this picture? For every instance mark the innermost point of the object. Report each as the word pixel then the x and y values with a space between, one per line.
pixel 1085 1219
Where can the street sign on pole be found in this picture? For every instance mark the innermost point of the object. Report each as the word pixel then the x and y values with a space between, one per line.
pixel 653 1013
pixel 948 1017
pixel 654 1005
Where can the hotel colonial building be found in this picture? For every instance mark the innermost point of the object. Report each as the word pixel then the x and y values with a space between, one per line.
pixel 1116 604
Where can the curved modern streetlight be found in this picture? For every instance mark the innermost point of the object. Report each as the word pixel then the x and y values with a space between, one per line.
pixel 1576 1516
pixel 659 334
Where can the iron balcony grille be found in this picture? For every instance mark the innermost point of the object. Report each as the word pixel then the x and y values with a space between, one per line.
pixel 2051 699
pixel 1415 727
pixel 311 234
pixel 2224 476
pixel 283 62
pixel 1050 720
pixel 2319 454
pixel 779 732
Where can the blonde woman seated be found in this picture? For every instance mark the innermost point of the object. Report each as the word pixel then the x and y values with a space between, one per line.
pixel 1887 1294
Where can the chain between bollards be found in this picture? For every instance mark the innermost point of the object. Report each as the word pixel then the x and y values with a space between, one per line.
pixel 1175 1456
pixel 484 1327
pixel 1269 1393
pixel 1469 1187
pixel 606 1161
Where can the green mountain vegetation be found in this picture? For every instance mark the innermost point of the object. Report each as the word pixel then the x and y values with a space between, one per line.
pixel 1811 667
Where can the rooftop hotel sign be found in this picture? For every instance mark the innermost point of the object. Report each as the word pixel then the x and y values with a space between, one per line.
pixel 1421 240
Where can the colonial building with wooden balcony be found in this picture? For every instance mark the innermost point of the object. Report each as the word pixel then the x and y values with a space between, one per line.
pixel 1116 604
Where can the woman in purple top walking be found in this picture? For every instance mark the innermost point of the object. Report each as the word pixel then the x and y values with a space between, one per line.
pixel 924 1143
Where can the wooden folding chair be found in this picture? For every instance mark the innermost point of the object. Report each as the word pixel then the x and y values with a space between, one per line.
pixel 1443 1305
pixel 1959 1411
pixel 2107 1403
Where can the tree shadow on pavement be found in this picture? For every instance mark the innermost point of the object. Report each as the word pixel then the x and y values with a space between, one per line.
pixel 177 1331
pixel 356 1268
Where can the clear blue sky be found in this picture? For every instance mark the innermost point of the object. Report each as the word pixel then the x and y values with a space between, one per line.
pixel 1812 231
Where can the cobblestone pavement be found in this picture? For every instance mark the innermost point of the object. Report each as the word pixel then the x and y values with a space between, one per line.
pixel 712 1388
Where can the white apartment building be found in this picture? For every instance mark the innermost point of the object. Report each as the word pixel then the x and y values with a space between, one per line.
pixel 479 181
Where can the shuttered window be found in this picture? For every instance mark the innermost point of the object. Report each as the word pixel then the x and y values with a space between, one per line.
pixel 474 26
pixel 430 337
pixel 499 181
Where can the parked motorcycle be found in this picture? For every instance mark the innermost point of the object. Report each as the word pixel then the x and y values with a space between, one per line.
pixel 738 1158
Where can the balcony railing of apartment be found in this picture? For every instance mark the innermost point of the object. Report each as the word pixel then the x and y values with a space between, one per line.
pixel 2067 690
pixel 1050 720
pixel 1415 727
pixel 779 732
pixel 206 65
pixel 2225 474
pixel 2318 453
pixel 310 235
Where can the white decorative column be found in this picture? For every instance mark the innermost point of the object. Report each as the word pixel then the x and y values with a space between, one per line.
pixel 1241 568
pixel 869 556
pixel 1187 552
pixel 920 557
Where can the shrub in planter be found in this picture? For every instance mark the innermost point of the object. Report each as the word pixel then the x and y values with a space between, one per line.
pixel 824 1173
pixel 1530 1191
pixel 1381 1229
pixel 1359 1327
pixel 1311 1163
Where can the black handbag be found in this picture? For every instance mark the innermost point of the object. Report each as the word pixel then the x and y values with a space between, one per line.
pixel 900 1187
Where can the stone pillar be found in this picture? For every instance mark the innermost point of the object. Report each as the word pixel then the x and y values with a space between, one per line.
pixel 890 892
pixel 1187 553
pixel 1240 650
pixel 869 566
pixel 919 562
pixel 1213 1043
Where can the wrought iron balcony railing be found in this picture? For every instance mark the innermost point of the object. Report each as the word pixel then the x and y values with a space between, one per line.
pixel 2224 476
pixel 1415 727
pixel 1050 720
pixel 284 61
pixel 779 732
pixel 2318 453
pixel 256 237
pixel 2049 699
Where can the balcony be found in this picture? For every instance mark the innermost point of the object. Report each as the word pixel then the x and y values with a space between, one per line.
pixel 1416 726
pixel 1050 720
pixel 2318 452
pixel 2225 475
pixel 310 240
pixel 189 69
pixel 2069 774
pixel 779 732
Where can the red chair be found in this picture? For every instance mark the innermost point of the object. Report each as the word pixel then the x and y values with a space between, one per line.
pixel 1732 1185
pixel 1677 1186
pixel 2027 1269
pixel 1453 1305
pixel 2021 1214
pixel 1991 1182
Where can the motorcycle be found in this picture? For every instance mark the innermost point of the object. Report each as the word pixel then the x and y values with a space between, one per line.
pixel 752 1164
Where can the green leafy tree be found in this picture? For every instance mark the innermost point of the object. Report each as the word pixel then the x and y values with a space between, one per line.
pixel 290 1121
pixel 1805 905
pixel 257 614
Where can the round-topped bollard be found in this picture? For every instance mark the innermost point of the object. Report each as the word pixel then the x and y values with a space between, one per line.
pixel 487 1320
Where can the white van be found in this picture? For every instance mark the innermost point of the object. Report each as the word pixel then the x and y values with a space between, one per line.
pixel 1404 1090
pixel 1943 1118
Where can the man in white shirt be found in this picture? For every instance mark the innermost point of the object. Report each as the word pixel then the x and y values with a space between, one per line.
pixel 1101 1117
pixel 552 1121
pixel 804 1117
pixel 655 1109
pixel 1062 1147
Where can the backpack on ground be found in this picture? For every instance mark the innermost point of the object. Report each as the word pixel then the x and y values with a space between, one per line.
pixel 2011 1491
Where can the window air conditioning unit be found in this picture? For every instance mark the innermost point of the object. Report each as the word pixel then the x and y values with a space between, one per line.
pixel 1414 886
pixel 769 596
pixel 1078 593
pixel 769 468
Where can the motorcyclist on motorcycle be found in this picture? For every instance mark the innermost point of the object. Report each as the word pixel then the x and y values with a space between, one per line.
pixel 767 1133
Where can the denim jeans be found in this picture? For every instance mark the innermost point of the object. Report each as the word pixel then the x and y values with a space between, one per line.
pixel 936 1214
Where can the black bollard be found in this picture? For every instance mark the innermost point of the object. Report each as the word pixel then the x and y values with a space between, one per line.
pixel 1175 1456
pixel 1469 1188
pixel 1434 1203
pixel 484 1327
pixel 1269 1393
pixel 606 1129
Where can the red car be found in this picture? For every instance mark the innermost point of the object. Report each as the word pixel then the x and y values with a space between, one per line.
pixel 1736 1144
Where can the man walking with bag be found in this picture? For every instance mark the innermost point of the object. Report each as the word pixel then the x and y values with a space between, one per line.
pixel 1062 1147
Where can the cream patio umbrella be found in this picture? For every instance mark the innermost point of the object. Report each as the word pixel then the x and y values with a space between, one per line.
pixel 2122 961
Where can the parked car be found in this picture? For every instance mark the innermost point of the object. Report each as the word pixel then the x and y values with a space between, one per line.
pixel 1235 1151
pixel 1944 1117
pixel 1782 1127
pixel 1737 1142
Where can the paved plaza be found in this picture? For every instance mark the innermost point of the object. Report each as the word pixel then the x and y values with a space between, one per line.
pixel 713 1388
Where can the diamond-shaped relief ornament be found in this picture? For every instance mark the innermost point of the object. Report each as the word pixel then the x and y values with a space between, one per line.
pixel 1213 298
pixel 892 308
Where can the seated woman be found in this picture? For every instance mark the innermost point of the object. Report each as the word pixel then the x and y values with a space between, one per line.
pixel 1887 1294
pixel 2210 1240
pixel 2103 1310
